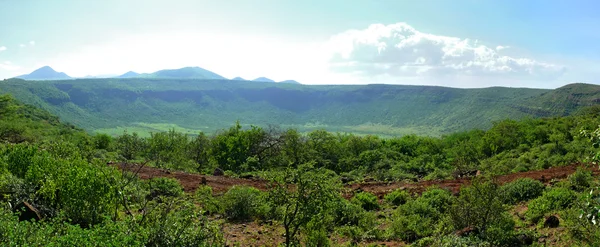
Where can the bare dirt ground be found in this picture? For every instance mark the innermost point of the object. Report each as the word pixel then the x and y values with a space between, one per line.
pixel 546 176
pixel 221 184
pixel 191 182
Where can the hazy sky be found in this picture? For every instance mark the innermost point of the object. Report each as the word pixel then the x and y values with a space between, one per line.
pixel 461 43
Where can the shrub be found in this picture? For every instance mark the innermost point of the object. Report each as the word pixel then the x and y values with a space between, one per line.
pixel 346 213
pixel 418 218
pixel 242 203
pixel 177 223
pixel 206 199
pixel 555 199
pixel 522 189
pixel 169 187
pixel 397 197
pixel 366 200
pixel 480 207
pixel 580 180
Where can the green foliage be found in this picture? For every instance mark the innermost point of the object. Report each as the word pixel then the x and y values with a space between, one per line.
pixel 305 199
pixel 522 189
pixel 366 200
pixel 480 207
pixel 179 223
pixel 397 197
pixel 554 199
pixel 204 196
pixel 102 141
pixel 418 218
pixel 168 187
pixel 130 146
pixel 581 180
pixel 242 203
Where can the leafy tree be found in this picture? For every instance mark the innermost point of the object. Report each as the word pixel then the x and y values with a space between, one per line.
pixel 303 195
pixel 130 146
pixel 480 207
pixel 199 150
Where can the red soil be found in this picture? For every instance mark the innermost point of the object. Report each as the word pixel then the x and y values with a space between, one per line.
pixel 220 184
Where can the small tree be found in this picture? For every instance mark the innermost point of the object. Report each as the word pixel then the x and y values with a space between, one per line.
pixel 303 195
pixel 480 207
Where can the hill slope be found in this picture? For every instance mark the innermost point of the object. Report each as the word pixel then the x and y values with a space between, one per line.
pixel 111 105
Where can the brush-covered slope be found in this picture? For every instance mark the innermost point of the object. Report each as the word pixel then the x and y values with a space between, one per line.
pixel 208 105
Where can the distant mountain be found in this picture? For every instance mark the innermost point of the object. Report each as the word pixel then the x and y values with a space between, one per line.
pixel 290 82
pixel 45 73
pixel 129 74
pixel 185 73
pixel 238 79
pixel 263 79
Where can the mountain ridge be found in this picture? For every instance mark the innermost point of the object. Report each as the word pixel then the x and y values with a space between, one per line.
pixel 150 104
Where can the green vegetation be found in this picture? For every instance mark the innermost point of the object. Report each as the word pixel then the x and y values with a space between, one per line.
pixel 522 189
pixel 194 105
pixel 56 188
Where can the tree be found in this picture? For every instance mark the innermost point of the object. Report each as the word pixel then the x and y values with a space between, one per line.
pixel 129 145
pixel 198 150
pixel 480 207
pixel 303 195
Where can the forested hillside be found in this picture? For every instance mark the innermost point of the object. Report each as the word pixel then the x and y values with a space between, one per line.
pixel 191 105
pixel 64 187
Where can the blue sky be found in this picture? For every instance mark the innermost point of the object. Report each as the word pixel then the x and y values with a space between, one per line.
pixel 459 43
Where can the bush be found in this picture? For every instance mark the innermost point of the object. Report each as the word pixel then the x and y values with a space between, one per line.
pixel 397 197
pixel 346 213
pixel 555 199
pixel 418 218
pixel 242 203
pixel 480 207
pixel 169 187
pixel 206 199
pixel 366 200
pixel 522 189
pixel 580 180
pixel 177 223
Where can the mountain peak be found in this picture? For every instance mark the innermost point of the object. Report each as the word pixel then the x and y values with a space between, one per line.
pixel 290 82
pixel 263 79
pixel 186 73
pixel 129 74
pixel 45 73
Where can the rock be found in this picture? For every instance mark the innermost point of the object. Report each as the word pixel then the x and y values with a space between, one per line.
pixel 346 180
pixel 551 222
pixel 218 172
pixel 525 239
pixel 203 181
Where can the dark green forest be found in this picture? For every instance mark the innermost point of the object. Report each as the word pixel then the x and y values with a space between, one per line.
pixel 194 105
pixel 57 189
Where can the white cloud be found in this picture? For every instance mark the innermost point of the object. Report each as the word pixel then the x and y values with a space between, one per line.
pixel 7 65
pixel 2 48
pixel 500 47
pixel 21 45
pixel 32 43
pixel 401 51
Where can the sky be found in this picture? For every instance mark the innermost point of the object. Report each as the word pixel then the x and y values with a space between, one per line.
pixel 456 43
